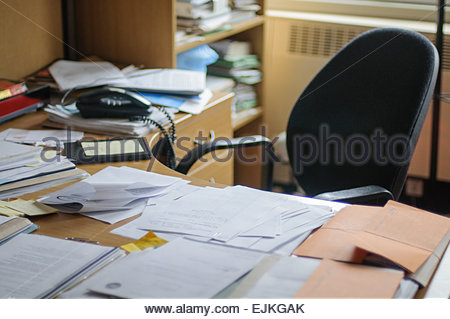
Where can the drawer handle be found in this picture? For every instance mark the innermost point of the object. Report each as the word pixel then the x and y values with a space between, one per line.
pixel 212 137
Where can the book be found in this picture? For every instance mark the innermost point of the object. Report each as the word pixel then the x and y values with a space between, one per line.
pixel 10 88
pixel 36 97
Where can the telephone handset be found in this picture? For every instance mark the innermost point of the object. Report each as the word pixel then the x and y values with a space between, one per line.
pixel 112 102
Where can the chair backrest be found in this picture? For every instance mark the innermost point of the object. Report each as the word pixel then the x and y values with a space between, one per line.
pixel 358 120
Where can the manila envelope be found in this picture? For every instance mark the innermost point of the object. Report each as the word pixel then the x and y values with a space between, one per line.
pixel 334 279
pixel 332 240
pixel 404 235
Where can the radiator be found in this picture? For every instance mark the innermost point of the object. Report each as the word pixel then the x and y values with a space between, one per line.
pixel 295 50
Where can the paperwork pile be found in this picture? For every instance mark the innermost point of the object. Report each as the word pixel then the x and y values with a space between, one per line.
pixel 36 266
pixel 111 195
pixel 394 235
pixel 180 269
pixel 12 226
pixel 25 169
pixel 235 216
pixel 68 115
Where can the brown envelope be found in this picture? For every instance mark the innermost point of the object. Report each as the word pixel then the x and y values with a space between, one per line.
pixel 332 240
pixel 405 235
pixel 334 279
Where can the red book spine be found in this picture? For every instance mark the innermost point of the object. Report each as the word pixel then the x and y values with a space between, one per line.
pixel 14 89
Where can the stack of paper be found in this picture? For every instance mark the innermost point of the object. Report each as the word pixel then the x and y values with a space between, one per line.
pixel 235 216
pixel 50 138
pixel 12 226
pixel 284 276
pixel 180 269
pixel 112 194
pixel 35 266
pixel 410 238
pixel 25 169
pixel 63 116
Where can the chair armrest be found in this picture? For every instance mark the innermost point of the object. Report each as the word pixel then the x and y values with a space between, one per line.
pixel 219 144
pixel 368 195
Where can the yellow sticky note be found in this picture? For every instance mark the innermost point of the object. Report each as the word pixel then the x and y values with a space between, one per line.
pixel 30 207
pixel 149 240
pixel 4 210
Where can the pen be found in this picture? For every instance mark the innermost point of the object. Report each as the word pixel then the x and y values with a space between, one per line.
pixel 84 240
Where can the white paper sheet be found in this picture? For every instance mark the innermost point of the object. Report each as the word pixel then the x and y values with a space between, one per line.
pixel 33 265
pixel 80 74
pixel 180 269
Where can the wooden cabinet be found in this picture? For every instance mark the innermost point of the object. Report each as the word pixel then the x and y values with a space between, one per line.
pixel 142 32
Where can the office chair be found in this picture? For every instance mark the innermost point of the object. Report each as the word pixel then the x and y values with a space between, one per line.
pixel 352 131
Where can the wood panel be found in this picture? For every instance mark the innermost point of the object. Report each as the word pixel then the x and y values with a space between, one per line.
pixel 132 31
pixel 31 36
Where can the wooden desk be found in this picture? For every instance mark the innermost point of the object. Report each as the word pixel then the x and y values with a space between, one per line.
pixel 217 117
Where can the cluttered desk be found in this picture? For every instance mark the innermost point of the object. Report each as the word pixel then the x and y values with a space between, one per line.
pixel 137 229
pixel 92 231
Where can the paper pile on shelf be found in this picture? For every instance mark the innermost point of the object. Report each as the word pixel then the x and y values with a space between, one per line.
pixel 25 169
pixel 111 195
pixel 235 216
pixel 202 16
pixel 238 63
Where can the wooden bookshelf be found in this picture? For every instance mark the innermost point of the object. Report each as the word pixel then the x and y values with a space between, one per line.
pixel 241 119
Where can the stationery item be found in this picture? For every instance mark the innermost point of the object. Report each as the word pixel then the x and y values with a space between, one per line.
pixel 112 194
pixel 69 116
pixel 276 277
pixel 29 207
pixel 147 241
pixel 50 138
pixel 333 279
pixel 37 96
pixel 439 286
pixel 184 103
pixel 170 81
pixel 218 83
pixel 357 230
pixel 17 152
pixel 235 216
pixel 227 48
pixel 417 247
pixel 79 74
pixel 196 59
pixel 10 88
pixel 58 164
pixel 179 269
pixel 207 9
pixel 104 151
pixel 331 241
pixel 34 184
pixel 12 226
pixel 36 266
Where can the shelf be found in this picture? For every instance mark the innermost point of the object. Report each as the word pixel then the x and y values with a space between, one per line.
pixel 239 120
pixel 236 28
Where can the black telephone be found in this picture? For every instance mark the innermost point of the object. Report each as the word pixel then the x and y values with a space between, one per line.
pixel 112 102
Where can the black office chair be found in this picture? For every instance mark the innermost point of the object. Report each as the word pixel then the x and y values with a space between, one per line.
pixel 352 131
